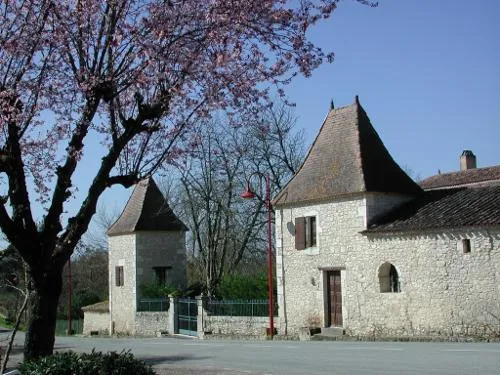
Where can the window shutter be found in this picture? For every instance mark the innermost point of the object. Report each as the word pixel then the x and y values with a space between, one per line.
pixel 300 233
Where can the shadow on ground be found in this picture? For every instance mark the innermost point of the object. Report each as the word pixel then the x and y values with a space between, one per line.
pixel 153 361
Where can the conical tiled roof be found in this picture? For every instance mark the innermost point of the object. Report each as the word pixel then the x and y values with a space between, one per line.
pixel 347 157
pixel 146 210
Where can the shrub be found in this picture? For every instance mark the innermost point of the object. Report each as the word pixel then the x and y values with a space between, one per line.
pixel 244 286
pixel 155 290
pixel 94 363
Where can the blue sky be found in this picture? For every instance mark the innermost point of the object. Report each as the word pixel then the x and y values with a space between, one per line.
pixel 427 73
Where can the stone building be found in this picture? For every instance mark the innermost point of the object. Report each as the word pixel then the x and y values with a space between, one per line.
pixel 362 247
pixel 146 245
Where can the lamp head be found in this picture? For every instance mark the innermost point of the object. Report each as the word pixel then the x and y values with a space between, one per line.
pixel 248 193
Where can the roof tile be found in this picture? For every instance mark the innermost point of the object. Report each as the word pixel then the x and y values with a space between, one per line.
pixel 347 157
pixel 146 210
pixel 445 208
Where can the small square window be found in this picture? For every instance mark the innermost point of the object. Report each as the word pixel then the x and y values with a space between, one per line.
pixel 466 246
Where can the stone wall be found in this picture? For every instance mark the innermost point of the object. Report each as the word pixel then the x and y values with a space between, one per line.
pixel 379 204
pixel 95 322
pixel 237 325
pixel 149 323
pixel 443 290
pixel 161 249
pixel 122 299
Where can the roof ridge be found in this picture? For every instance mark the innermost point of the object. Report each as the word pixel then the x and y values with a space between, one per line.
pixel 470 170
pixel 123 213
pixel 331 110
pixel 147 183
pixel 358 108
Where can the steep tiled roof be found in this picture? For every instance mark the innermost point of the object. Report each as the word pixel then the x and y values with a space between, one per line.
pixel 148 210
pixel 346 157
pixel 102 307
pixel 446 208
pixel 475 176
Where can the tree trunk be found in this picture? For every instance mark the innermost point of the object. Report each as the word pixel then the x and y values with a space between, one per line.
pixel 43 299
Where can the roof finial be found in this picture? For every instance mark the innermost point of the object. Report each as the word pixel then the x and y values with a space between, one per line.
pixel 356 99
pixel 332 106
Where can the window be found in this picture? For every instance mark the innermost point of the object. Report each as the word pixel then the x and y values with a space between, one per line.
pixel 305 232
pixel 466 246
pixel 119 275
pixel 389 279
pixel 161 274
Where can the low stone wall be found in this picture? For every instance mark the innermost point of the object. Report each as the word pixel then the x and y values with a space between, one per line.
pixel 95 322
pixel 237 325
pixel 149 323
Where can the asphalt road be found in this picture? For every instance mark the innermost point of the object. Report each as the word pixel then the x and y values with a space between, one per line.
pixel 294 357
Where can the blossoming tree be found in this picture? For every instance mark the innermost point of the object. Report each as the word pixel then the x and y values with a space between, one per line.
pixel 137 73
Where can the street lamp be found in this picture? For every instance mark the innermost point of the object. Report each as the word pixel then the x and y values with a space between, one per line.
pixel 247 194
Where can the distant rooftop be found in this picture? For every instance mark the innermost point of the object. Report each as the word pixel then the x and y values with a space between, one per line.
pixel 469 177
pixel 101 307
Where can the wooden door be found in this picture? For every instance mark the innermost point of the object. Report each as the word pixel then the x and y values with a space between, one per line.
pixel 334 299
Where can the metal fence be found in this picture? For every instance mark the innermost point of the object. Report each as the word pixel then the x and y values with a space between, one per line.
pixel 153 304
pixel 239 307
pixel 62 326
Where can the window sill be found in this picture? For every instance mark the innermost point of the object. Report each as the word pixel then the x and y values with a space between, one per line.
pixel 311 251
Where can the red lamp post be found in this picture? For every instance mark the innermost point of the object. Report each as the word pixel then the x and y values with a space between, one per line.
pixel 70 329
pixel 248 193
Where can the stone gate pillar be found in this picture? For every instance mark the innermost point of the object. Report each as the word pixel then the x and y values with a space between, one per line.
pixel 200 301
pixel 173 315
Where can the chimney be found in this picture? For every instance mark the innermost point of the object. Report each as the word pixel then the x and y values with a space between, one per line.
pixel 467 160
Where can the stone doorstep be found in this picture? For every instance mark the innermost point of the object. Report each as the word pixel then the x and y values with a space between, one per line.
pixel 332 331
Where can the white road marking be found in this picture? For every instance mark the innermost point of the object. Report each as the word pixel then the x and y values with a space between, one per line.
pixel 472 350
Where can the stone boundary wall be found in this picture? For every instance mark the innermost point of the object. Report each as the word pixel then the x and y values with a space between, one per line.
pixel 158 323
pixel 152 323
pixel 237 325
pixel 95 322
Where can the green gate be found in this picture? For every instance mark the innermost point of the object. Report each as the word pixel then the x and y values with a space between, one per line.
pixel 188 316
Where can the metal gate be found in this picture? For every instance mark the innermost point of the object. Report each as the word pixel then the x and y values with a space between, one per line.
pixel 188 316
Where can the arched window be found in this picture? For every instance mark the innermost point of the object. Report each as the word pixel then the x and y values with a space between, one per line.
pixel 388 279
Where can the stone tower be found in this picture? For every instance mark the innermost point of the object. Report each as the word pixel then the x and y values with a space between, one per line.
pixel 146 245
